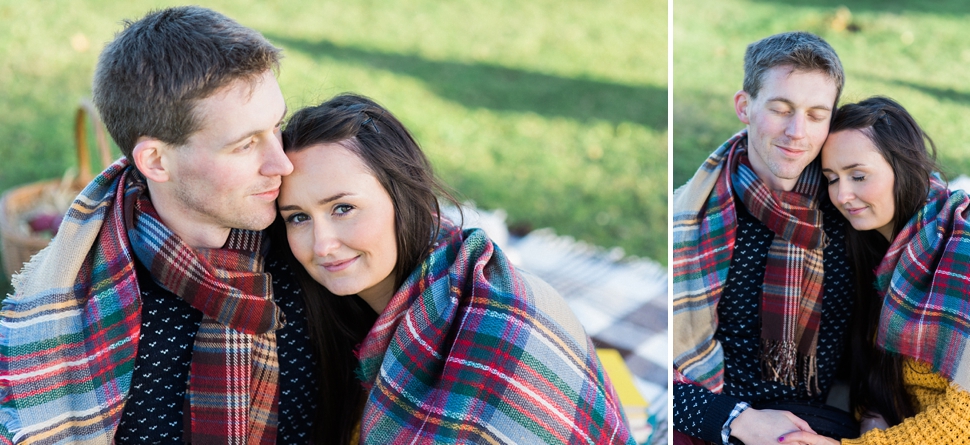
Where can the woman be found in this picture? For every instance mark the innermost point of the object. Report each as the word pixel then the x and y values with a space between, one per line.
pixel 424 331
pixel 910 239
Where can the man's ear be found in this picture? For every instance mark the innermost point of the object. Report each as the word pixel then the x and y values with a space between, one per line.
pixel 148 156
pixel 741 102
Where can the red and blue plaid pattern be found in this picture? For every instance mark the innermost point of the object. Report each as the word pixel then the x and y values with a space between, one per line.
pixel 69 333
pixel 705 221
pixel 470 350
pixel 924 279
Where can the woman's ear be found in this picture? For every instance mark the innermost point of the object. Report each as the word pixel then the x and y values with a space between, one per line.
pixel 148 157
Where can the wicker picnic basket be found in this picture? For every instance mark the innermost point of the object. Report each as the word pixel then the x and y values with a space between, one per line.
pixel 17 242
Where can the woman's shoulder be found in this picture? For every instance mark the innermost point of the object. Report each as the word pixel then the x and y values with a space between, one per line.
pixel 920 374
pixel 550 304
pixel 536 295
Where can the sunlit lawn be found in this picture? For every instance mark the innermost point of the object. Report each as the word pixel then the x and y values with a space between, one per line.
pixel 914 52
pixel 553 111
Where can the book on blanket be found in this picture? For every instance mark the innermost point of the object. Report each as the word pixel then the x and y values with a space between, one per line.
pixel 634 405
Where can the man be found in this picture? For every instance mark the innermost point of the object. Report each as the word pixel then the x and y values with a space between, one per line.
pixel 762 290
pixel 151 317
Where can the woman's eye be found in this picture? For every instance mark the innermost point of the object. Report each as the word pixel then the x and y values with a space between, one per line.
pixel 342 209
pixel 832 180
pixel 296 218
pixel 858 178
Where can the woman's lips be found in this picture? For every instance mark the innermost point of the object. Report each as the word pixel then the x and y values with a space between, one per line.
pixel 337 266
pixel 854 211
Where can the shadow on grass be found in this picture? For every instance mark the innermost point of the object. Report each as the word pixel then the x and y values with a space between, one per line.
pixel 941 94
pixel 704 120
pixel 942 7
pixel 480 85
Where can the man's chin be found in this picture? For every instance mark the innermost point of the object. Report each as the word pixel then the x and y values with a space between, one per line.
pixel 263 225
pixel 790 170
pixel 258 219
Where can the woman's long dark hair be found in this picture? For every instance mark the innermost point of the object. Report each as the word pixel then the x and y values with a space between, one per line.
pixel 338 324
pixel 877 375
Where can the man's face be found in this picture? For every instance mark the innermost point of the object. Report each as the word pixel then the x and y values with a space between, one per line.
pixel 228 173
pixel 787 123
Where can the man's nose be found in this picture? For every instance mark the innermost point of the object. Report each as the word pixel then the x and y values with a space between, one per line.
pixel 275 162
pixel 796 127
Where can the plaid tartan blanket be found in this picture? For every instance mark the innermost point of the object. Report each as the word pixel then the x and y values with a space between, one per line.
pixel 923 280
pixel 69 333
pixel 470 350
pixel 705 219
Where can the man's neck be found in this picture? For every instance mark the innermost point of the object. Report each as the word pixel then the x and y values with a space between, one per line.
pixel 199 237
pixel 197 234
pixel 777 184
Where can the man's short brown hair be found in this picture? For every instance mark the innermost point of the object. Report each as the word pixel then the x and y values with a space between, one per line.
pixel 150 77
pixel 800 50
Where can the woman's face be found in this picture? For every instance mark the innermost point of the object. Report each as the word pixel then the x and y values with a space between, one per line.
pixel 860 181
pixel 340 223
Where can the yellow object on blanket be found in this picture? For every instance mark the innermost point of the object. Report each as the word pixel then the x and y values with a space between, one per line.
pixel 634 405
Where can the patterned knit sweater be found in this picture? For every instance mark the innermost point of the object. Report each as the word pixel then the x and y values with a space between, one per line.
pixel 153 413
pixel 943 412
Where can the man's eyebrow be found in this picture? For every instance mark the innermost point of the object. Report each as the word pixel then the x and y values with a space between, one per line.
pixel 792 104
pixel 239 139
pixel 253 133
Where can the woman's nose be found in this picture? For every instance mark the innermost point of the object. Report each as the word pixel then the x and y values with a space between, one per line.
pixel 845 194
pixel 325 241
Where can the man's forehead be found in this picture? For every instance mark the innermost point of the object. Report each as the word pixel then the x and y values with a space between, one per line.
pixel 239 108
pixel 239 91
pixel 789 84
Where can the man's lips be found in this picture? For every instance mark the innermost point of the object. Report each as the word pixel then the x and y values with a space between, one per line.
pixel 793 152
pixel 269 194
pixel 337 266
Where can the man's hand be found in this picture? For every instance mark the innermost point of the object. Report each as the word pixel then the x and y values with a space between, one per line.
pixel 806 438
pixel 765 426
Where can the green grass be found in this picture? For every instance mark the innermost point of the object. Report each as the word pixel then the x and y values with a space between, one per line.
pixel 553 111
pixel 914 52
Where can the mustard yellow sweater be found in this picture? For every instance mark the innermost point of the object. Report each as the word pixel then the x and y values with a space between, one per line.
pixel 943 412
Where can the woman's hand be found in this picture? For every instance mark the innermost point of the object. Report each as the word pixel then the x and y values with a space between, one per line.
pixel 806 438
pixel 765 426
